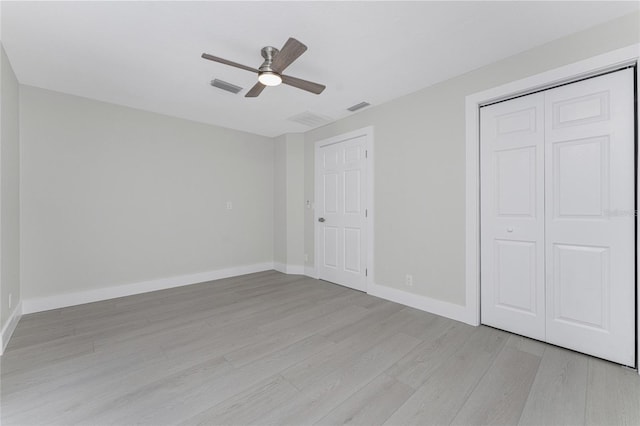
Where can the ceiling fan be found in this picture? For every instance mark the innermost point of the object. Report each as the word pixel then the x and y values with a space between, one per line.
pixel 270 72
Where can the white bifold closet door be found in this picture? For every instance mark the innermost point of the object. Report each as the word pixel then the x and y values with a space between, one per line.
pixel 557 216
pixel 512 215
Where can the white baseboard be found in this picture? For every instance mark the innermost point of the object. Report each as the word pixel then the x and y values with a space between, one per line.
pixel 310 271
pixel 280 267
pixel 71 299
pixel 288 269
pixel 295 269
pixel 434 306
pixel 9 327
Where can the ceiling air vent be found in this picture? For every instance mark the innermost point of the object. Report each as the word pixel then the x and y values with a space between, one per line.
pixel 225 86
pixel 358 106
pixel 310 119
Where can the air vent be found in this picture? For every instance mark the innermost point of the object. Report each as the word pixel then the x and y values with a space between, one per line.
pixel 358 106
pixel 311 119
pixel 225 86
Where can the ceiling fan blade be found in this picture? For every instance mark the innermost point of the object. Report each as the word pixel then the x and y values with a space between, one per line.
pixel 291 51
pixel 309 86
pixel 226 62
pixel 255 90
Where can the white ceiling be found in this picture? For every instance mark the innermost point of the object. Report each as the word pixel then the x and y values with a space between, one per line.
pixel 147 54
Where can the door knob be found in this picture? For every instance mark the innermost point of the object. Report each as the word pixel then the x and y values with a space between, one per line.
pixel 321 219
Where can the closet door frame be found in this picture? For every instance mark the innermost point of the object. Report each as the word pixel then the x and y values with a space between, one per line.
pixel 610 61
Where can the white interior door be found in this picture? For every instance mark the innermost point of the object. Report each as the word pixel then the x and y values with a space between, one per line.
pixel 558 216
pixel 341 212
pixel 512 215
pixel 590 216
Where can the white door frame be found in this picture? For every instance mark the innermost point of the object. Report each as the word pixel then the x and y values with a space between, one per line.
pixel 589 67
pixel 368 133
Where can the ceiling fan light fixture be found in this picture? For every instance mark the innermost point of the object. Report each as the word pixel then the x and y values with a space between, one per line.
pixel 269 78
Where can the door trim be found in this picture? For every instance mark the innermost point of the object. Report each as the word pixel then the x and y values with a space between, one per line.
pixel 589 67
pixel 368 133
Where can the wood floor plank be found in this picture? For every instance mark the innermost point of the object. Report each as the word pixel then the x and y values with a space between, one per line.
pixel 39 333
pixel 371 405
pixel 324 307
pixel 439 399
pixel 148 334
pixel 246 332
pixel 501 394
pixel 325 363
pixel 418 365
pixel 129 403
pixel 247 407
pixel 322 396
pixel 48 384
pixel 558 394
pixel 289 335
pixel 421 325
pixel 376 316
pixel 179 408
pixel 87 402
pixel 613 394
pixel 38 319
pixel 46 353
pixel 525 344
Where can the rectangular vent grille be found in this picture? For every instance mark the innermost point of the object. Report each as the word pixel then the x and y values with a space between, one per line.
pixel 225 86
pixel 310 119
pixel 358 106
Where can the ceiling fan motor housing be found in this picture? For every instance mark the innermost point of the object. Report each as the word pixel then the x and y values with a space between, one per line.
pixel 268 53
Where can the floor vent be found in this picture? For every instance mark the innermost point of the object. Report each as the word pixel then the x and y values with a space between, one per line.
pixel 226 86
pixel 310 119
pixel 358 106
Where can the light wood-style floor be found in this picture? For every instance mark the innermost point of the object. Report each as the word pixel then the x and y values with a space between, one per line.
pixel 269 348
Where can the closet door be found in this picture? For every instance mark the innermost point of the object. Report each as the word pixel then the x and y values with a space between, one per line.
pixel 512 215
pixel 590 218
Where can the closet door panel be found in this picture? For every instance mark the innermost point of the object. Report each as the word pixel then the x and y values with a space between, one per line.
pixel 589 216
pixel 512 215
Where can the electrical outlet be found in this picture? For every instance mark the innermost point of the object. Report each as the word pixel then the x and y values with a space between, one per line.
pixel 10 301
pixel 408 280
pixel 229 205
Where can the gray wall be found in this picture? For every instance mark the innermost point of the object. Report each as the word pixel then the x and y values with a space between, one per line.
pixel 419 163
pixel 9 190
pixel 289 200
pixel 295 200
pixel 280 200
pixel 113 195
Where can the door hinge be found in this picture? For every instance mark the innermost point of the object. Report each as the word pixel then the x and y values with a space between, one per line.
pixel 366 272
pixel 366 153
pixel 366 213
